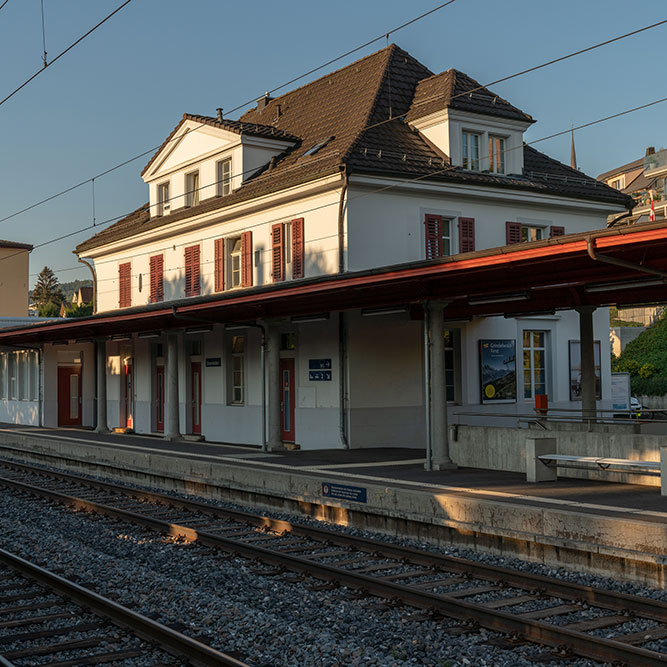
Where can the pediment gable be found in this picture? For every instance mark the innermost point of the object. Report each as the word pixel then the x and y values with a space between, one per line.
pixel 188 144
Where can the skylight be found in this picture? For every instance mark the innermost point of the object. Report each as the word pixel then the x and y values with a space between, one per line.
pixel 318 146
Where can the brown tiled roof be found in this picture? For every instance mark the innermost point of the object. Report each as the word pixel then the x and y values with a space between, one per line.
pixel 349 109
pixel 630 166
pixel 253 129
pixel 15 244
pixel 456 90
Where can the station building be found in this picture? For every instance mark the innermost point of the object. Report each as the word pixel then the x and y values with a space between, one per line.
pixel 337 266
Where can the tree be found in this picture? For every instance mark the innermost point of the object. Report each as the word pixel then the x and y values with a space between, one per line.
pixel 48 309
pixel 47 288
pixel 83 310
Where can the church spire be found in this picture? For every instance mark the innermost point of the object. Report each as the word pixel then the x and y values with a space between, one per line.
pixel 573 153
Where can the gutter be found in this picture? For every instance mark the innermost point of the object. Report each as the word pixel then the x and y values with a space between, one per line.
pixel 595 256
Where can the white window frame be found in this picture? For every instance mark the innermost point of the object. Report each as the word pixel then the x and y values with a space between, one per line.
pixel 234 273
pixel 470 140
pixel 237 374
pixel 192 188
pixel 163 200
pixel 531 230
pixel 223 180
pixel 531 348
pixel 494 153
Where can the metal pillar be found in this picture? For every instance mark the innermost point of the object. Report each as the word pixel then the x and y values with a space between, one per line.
pixel 274 441
pixel 171 425
pixel 586 343
pixel 437 406
pixel 101 359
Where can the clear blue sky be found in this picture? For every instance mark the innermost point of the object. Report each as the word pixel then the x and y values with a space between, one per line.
pixel 123 89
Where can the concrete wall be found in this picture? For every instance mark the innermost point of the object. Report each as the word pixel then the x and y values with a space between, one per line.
pixel 504 449
pixel 619 337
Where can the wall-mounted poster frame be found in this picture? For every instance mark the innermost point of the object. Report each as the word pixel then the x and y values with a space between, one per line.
pixel 497 367
pixel 575 370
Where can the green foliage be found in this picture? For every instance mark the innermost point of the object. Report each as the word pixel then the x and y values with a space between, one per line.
pixel 47 288
pixel 79 311
pixel 48 309
pixel 615 321
pixel 645 358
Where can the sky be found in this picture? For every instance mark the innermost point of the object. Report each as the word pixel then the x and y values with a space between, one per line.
pixel 123 89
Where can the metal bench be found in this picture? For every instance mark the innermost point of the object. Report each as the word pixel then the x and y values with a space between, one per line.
pixel 585 462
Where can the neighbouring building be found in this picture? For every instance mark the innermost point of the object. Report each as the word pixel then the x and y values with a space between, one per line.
pixel 14 288
pixel 245 301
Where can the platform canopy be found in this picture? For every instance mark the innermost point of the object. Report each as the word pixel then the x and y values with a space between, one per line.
pixel 610 267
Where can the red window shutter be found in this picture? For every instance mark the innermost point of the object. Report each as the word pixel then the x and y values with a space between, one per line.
pixel 277 250
pixel 556 231
pixel 219 265
pixel 192 271
pixel 433 235
pixel 125 285
pixel 157 278
pixel 512 232
pixel 298 250
pixel 466 234
pixel 246 259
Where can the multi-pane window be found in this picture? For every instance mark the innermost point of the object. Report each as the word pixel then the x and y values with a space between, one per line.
pixel 287 250
pixel 534 363
pixel 19 375
pixel 192 189
pixel 237 371
pixel 12 377
pixel 34 384
pixel 438 236
pixel 470 150
pixel 497 154
pixel 450 370
pixel 224 177
pixel 531 233
pixel 517 232
pixel 163 201
pixel 3 375
pixel 234 262
pixel 24 376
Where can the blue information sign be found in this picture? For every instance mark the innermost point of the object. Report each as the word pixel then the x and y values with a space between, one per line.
pixel 213 361
pixel 319 376
pixel 319 364
pixel 344 492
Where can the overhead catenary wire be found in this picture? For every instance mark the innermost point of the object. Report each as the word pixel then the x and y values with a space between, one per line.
pixel 399 183
pixel 62 53
pixel 3 4
pixel 154 148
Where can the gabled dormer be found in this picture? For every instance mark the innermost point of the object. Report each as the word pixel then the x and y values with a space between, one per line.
pixel 208 157
pixel 474 127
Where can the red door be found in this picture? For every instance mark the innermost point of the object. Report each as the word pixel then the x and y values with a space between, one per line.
pixel 129 397
pixel 195 374
pixel 287 399
pixel 69 396
pixel 159 399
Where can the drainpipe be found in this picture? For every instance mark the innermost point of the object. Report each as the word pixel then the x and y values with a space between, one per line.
pixel 621 262
pixel 92 270
pixel 262 358
pixel 341 223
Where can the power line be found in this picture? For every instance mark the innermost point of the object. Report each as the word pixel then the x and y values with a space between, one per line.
pixel 4 3
pixel 62 53
pixel 154 148
pixel 462 94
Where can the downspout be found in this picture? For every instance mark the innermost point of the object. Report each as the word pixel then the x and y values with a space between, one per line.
pixel 92 270
pixel 621 262
pixel 262 358
pixel 342 324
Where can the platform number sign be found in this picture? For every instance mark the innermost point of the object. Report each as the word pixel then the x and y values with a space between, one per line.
pixel 319 370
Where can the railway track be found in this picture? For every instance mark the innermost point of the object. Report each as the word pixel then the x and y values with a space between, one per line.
pixel 48 620
pixel 568 619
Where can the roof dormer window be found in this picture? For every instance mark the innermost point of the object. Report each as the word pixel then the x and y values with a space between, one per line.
pixel 192 189
pixel 496 154
pixel 470 150
pixel 163 201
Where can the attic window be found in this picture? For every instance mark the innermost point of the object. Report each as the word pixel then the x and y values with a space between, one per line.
pixel 318 146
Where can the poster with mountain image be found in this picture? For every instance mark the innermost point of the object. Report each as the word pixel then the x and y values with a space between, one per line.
pixel 497 362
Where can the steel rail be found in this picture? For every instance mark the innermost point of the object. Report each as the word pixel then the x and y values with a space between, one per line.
pixel 593 647
pixel 158 634
pixel 613 600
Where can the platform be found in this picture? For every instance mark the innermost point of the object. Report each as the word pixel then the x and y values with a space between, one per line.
pixel 602 527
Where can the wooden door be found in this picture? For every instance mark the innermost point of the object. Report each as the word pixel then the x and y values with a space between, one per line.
pixel 287 394
pixel 69 396
pixel 195 376
pixel 129 396
pixel 159 399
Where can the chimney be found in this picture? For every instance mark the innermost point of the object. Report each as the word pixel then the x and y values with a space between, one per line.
pixel 263 101
pixel 650 150
pixel 219 110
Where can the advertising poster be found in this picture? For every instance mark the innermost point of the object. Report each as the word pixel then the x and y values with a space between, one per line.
pixel 620 391
pixel 575 371
pixel 497 363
